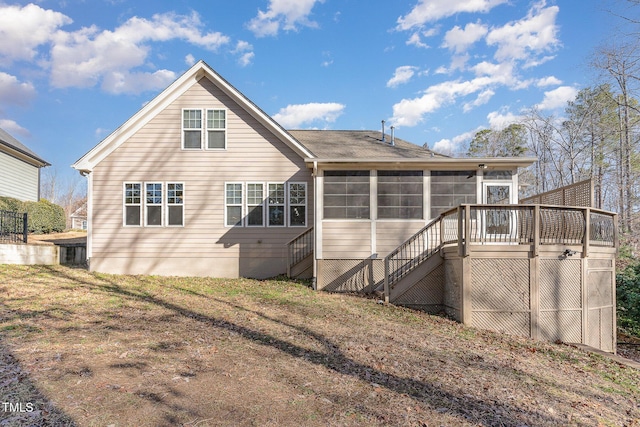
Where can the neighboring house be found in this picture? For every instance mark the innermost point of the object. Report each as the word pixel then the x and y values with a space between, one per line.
pixel 78 219
pixel 202 182
pixel 19 169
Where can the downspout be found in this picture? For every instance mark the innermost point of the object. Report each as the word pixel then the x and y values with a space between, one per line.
pixel 314 284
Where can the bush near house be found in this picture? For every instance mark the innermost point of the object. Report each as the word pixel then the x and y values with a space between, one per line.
pixel 628 299
pixel 44 217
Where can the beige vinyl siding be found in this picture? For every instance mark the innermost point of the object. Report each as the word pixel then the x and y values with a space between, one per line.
pixel 18 179
pixel 346 239
pixel 204 246
pixel 391 234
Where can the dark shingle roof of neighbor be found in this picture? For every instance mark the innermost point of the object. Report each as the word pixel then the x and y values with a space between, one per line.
pixel 358 144
pixel 9 141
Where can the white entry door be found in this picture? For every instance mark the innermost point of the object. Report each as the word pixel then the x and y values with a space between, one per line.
pixel 498 224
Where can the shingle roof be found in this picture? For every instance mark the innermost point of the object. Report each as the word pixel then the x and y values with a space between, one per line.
pixel 9 141
pixel 358 144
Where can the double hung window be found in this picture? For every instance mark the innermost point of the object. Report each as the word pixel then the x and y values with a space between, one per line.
pixel 233 202
pixel 274 204
pixel 204 128
pixel 132 203
pixel 275 208
pixel 153 204
pixel 192 129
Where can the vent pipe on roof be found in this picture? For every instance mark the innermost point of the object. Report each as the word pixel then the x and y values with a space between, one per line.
pixel 393 139
pixel 383 140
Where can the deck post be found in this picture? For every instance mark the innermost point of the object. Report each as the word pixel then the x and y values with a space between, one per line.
pixel 460 231
pixel 467 230
pixel 587 232
pixel 536 230
pixel 386 279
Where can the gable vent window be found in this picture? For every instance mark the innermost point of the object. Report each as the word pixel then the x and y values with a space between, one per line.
pixel 216 129
pixel 192 129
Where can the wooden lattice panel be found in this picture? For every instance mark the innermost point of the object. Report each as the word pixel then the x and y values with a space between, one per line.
pixel 342 275
pixel 560 284
pixel 514 323
pixel 500 284
pixel 426 293
pixel 565 325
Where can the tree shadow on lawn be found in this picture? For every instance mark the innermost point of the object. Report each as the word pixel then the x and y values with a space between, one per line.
pixel 21 402
pixel 485 412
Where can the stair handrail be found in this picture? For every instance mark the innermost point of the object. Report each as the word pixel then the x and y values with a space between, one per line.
pixel 416 249
pixel 299 248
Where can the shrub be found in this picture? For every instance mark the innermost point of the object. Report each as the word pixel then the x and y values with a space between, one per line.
pixel 628 299
pixel 44 216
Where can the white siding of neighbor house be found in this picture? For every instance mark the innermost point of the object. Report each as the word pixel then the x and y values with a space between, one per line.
pixel 204 246
pixel 18 179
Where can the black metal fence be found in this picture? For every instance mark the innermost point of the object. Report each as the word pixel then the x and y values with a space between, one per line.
pixel 13 227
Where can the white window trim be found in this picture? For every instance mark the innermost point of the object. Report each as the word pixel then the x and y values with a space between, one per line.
pixel 226 205
pixel 125 204
pixel 166 202
pixel 206 129
pixel 146 205
pixel 284 205
pixel 202 128
pixel 263 204
pixel 289 205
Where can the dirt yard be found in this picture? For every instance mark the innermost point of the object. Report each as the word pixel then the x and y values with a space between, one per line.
pixel 101 350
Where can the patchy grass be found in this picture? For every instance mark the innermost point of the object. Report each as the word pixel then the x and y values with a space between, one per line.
pixel 94 350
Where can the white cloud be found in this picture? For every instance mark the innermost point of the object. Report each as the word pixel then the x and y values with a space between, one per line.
pixel 452 147
pixel 410 112
pixel 483 98
pixel 14 128
pixel 432 10
pixel 23 29
pixel 402 75
pixel 499 121
pixel 534 34
pixel 548 81
pixel 85 57
pixel 294 116
pixel 13 91
pixel 136 82
pixel 283 14
pixel 558 98
pixel 459 40
pixel 245 52
pixel 189 60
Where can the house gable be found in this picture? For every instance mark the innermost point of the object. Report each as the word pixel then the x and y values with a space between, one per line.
pixel 166 98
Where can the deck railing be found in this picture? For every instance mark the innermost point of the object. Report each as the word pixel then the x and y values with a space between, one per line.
pixel 13 227
pixel 299 248
pixel 533 225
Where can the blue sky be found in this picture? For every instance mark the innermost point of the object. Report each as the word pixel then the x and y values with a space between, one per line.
pixel 72 71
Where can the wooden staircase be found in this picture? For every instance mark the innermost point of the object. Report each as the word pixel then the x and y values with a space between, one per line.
pixel 300 256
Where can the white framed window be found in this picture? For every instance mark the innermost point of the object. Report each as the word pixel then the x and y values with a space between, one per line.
pixel 233 204
pixel 216 129
pixel 276 205
pixel 175 204
pixel 153 204
pixel 297 204
pixel 192 129
pixel 132 206
pixel 255 204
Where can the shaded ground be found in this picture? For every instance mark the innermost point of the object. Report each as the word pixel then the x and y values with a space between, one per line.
pixel 148 351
